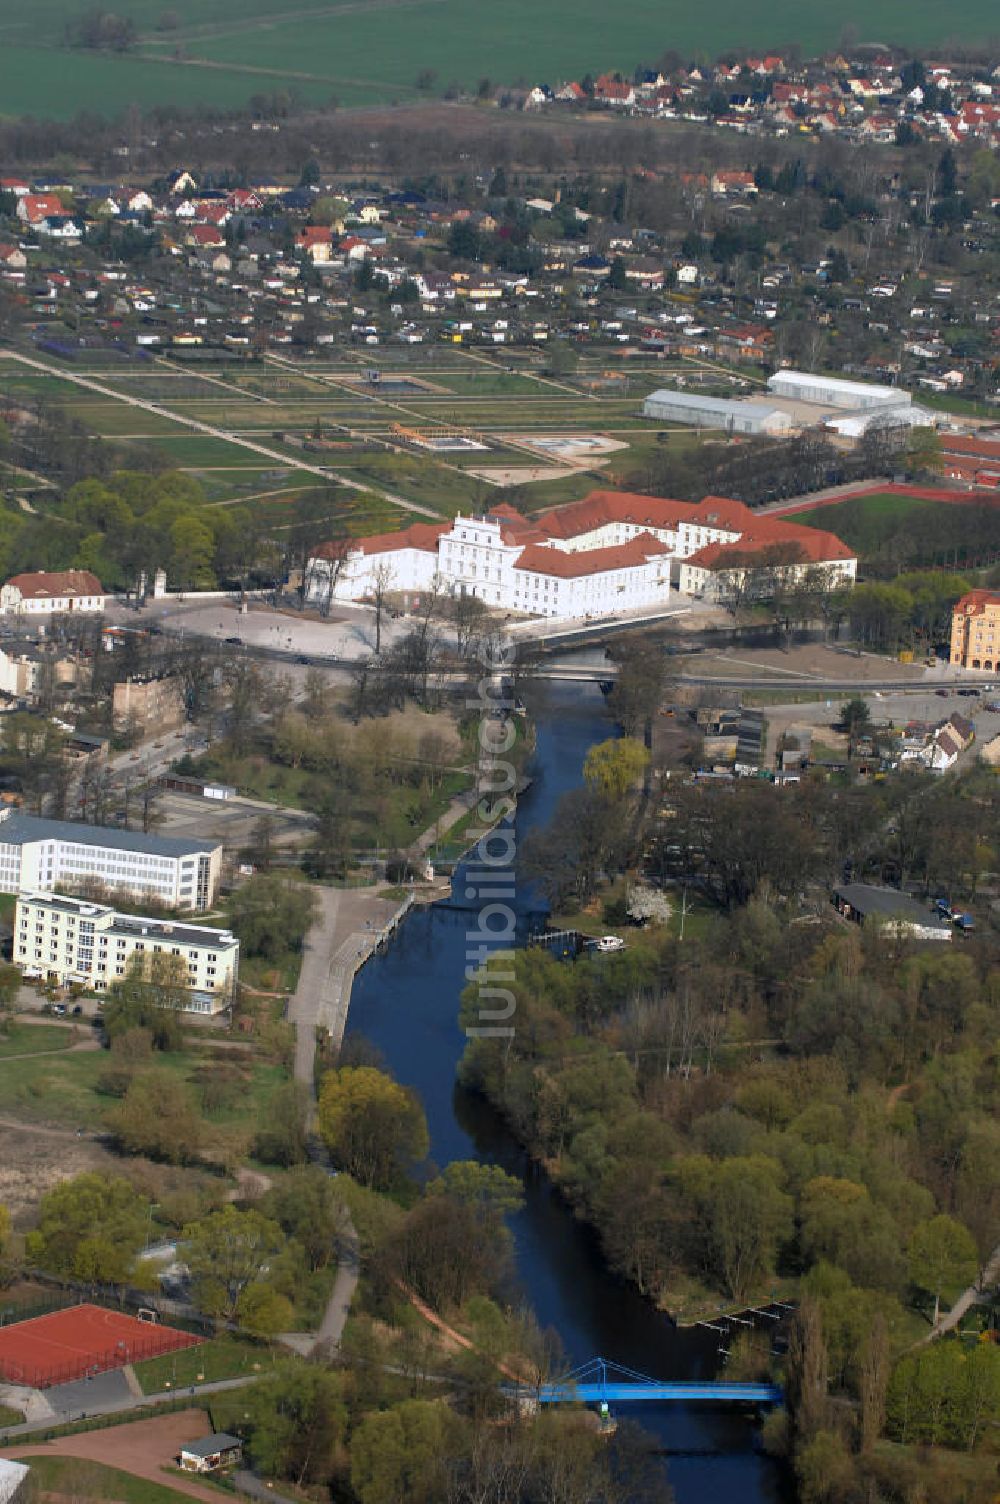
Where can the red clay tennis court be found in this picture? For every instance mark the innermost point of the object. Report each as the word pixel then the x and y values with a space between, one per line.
pixel 82 1340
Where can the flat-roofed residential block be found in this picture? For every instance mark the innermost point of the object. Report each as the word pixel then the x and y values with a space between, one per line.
pixel 69 940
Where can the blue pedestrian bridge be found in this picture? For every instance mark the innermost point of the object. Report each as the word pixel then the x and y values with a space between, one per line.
pixel 601 1382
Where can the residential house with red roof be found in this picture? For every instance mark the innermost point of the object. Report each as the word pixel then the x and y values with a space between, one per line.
pixel 47 592
pixel 32 208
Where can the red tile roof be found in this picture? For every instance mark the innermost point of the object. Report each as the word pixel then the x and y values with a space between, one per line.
pixel 61 582
pixel 39 206
pixel 975 602
pixel 422 535
pixel 788 543
pixel 538 559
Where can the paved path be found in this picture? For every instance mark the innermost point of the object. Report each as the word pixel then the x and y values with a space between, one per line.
pixel 461 805
pixel 971 1296
pixel 121 1404
pixel 276 456
pixel 348 926
pixel 349 922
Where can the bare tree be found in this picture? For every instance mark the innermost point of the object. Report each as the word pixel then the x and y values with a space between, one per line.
pixel 381 584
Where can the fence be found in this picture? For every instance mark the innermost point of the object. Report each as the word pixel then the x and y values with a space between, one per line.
pixel 43 1373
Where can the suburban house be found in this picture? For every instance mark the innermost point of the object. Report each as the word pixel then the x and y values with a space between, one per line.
pixel 67 940
pixel 610 552
pixel 44 594
pixel 975 630
pixel 32 208
pixel 898 913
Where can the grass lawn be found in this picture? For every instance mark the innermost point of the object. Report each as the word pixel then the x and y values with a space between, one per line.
pixel 64 1091
pixel 30 1039
pixel 220 1358
pixel 865 522
pixel 390 817
pixel 66 1477
pixel 10 1417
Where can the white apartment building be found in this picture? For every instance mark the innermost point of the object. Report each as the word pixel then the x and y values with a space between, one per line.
pixel 45 593
pixel 38 855
pixel 69 940
pixel 610 552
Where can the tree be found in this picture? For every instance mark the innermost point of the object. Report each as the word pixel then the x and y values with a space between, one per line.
pixel 381 584
pixel 282 1137
pixel 923 452
pixel 486 1187
pixel 10 986
pixel 614 767
pixel 806 1375
pixel 157 1118
pixel 400 1453
pixel 854 717
pixel 874 1382
pixel 226 1252
pixel 308 1207
pixel 942 1252
pixel 639 687
pixel 150 996
pixel 271 915
pixel 824 1469
pixel 374 1128
pixel 297 1422
pixel 263 1311
pixel 90 1228
pixel 617 276
pixel 747 1217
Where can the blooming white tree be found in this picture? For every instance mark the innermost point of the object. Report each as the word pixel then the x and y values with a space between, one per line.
pixel 648 904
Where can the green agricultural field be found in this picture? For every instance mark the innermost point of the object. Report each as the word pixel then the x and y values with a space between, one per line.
pixel 223 51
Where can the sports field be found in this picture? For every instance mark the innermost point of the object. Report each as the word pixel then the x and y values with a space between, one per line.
pixel 82 1340
pixel 371 51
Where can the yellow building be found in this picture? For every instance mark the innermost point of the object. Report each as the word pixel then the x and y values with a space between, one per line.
pixel 975 631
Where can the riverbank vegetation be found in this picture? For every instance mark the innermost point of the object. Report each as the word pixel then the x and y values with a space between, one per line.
pixel 780 1100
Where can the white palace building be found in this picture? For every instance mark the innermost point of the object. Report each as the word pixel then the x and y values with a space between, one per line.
pixel 611 552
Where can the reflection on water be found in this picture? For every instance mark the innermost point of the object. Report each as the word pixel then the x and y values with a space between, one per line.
pixel 406 1002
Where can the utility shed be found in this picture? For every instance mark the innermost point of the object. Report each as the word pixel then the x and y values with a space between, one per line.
pixel 734 416
pixel 834 391
pixel 209 1454
pixel 901 915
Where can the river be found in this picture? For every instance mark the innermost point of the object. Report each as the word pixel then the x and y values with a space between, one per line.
pixel 406 1002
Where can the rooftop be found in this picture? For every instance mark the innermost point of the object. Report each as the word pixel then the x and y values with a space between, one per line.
pixel 887 903
pixel 724 406
pixel 132 924
pixel 43 585
pixel 207 1446
pixel 18 829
